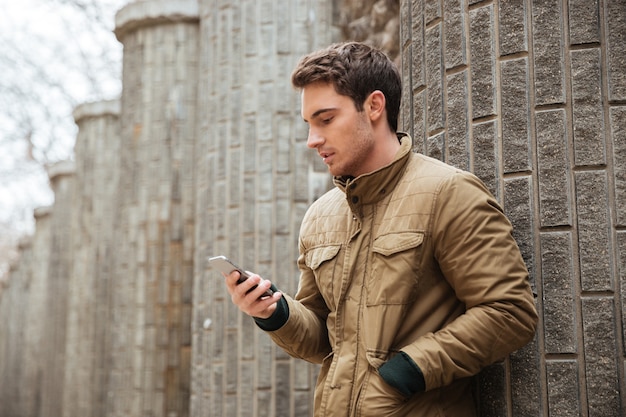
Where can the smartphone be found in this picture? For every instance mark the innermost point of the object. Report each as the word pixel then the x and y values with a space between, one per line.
pixel 223 264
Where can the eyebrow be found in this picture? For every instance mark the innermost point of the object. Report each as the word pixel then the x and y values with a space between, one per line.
pixel 320 111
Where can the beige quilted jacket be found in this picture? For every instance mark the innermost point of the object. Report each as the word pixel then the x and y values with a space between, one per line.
pixel 418 258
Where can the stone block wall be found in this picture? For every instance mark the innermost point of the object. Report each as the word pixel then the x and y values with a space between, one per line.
pixel 529 95
pixel 112 311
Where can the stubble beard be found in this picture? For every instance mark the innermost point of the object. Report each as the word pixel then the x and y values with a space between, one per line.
pixel 362 145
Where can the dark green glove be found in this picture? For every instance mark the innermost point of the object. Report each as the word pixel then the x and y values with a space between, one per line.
pixel 402 373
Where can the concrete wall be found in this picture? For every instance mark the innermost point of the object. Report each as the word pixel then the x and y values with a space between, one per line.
pixel 530 96
pixel 112 311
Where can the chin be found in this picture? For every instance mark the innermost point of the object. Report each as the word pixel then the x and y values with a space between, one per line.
pixel 337 171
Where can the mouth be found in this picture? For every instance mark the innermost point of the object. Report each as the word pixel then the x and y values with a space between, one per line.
pixel 326 156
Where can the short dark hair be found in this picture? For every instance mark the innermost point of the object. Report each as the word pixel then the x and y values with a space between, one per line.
pixel 355 70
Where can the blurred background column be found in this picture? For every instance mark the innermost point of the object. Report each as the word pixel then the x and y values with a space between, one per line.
pixel 12 335
pixel 255 180
pixel 60 263
pixel 33 307
pixel 97 155
pixel 152 282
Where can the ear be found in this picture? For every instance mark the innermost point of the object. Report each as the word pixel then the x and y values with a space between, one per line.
pixel 375 105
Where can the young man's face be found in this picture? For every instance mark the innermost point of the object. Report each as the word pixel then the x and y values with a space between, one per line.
pixel 342 136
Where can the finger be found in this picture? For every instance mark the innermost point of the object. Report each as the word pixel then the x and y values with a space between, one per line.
pixel 259 290
pixel 263 307
pixel 231 281
pixel 249 285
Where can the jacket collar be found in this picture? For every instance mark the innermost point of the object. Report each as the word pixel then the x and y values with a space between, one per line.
pixel 372 187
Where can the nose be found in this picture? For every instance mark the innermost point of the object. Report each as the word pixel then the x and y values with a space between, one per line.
pixel 314 139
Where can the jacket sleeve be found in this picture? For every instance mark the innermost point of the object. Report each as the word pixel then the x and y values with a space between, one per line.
pixel 478 256
pixel 304 333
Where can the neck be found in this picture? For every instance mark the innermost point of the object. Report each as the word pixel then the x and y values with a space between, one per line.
pixel 389 146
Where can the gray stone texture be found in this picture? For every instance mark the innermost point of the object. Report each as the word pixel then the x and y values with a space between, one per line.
pixel 492 387
pixel 457 117
pixel 517 205
pixel 484 145
pixel 600 362
pixel 615 28
pixel 157 209
pixel 434 77
pixel 111 309
pixel 593 231
pixel 87 342
pixel 548 52
pixel 559 314
pixel 14 400
pixel 553 163
pixel 563 398
pixel 584 22
pixel 23 305
pixel 589 129
pixel 618 134
pixel 621 279
pixel 56 301
pixel 482 61
pixel 515 115
pixel 432 10
pixel 455 38
pixel 265 175
pixel 415 39
pixel 525 382
pixel 513 32
pixel 546 135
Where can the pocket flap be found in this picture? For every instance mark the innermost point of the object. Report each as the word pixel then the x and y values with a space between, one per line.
pixel 397 242
pixel 376 357
pixel 316 256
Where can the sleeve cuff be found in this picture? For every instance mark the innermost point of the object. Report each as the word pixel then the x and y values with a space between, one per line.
pixel 402 373
pixel 278 318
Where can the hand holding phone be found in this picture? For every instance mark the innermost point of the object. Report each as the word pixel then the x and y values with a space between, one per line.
pixel 224 265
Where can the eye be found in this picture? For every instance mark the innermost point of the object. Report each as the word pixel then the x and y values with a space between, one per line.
pixel 327 120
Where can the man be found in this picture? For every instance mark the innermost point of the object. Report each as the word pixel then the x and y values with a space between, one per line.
pixel 410 279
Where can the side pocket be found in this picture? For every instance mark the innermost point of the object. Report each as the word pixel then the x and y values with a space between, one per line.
pixel 377 398
pixel 321 390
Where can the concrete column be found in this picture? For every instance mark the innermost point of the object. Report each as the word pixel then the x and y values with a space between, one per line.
pixel 97 173
pixel 151 342
pixel 35 312
pixel 255 180
pixel 56 300
pixel 14 296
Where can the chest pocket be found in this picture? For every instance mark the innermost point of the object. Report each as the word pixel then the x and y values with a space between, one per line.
pixel 395 271
pixel 324 262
